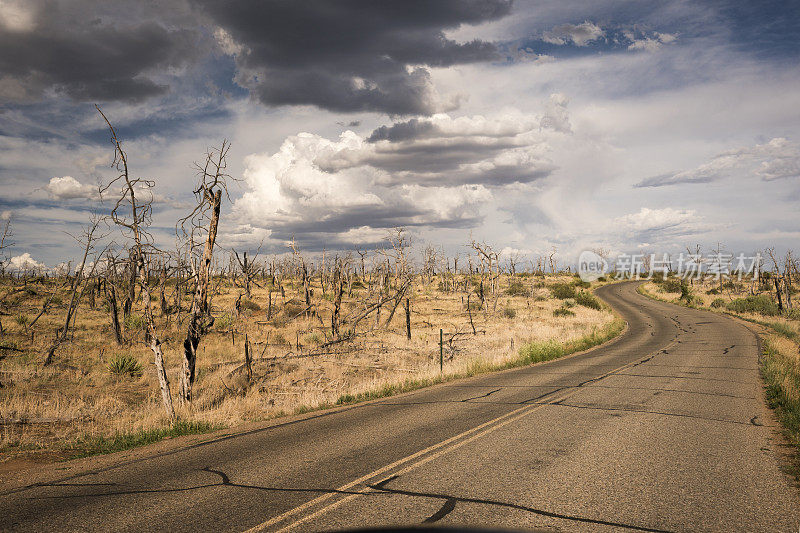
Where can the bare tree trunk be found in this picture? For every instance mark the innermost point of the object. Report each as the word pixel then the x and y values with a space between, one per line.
pixel 199 304
pixel 139 218
pixel 112 305
pixel 469 311
pixel 248 360
pixel 155 343
pixel 338 286
pixel 163 288
pixel 306 289
pixel 408 318
pixel 61 334
pixel 133 264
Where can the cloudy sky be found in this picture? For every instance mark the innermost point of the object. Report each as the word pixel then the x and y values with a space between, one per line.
pixel 627 125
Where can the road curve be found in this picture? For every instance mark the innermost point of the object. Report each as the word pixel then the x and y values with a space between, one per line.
pixel 664 429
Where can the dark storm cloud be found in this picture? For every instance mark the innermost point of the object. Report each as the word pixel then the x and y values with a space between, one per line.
pixel 65 47
pixel 356 55
pixel 373 217
pixel 341 56
pixel 314 237
pixel 402 131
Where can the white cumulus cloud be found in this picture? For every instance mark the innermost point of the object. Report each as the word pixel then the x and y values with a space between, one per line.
pixel 429 172
pixel 24 262
pixel 67 188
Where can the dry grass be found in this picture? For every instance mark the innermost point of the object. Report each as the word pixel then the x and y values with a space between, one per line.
pixel 78 398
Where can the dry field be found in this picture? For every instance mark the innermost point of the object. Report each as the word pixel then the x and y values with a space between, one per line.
pixel 96 389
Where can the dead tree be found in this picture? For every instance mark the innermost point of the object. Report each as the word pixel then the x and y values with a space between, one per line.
pixel 162 287
pixel 136 229
pixel 5 243
pixel 302 270
pixel 111 298
pixel 363 255
pixel 779 278
pixel 75 292
pixel 204 220
pixel 553 261
pixel 489 259
pixel 789 268
pixel 248 271
pixel 429 258
pixel 133 264
pixel 338 288
pixel 513 261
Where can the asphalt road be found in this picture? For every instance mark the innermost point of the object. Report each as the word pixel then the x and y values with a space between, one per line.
pixel 664 429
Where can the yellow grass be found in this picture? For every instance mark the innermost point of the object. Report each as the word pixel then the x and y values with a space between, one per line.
pixel 78 396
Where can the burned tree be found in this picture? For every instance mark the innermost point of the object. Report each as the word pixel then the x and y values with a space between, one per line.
pixel 135 227
pixel 203 221
pixel 338 291
pixel 75 292
pixel 248 269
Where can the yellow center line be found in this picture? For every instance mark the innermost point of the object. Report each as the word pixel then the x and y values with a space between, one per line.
pixel 442 447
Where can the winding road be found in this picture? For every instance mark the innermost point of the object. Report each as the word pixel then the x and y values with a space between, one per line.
pixel 663 429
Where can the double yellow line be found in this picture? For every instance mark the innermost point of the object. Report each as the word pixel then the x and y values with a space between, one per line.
pixel 283 521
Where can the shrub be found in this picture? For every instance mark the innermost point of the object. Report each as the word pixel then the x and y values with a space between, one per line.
pixel 587 299
pixel 761 304
pixel 133 322
pixel 517 288
pixel 601 279
pixel 686 292
pixel 509 312
pixel 582 284
pixel 223 322
pixel 712 291
pixel 718 302
pixel 293 309
pixel 312 338
pixel 562 291
pixel 563 311
pixel 125 364
pixel 671 285
pixel 249 305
